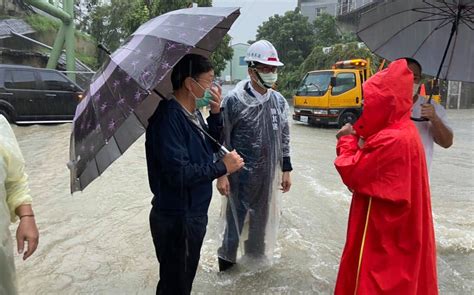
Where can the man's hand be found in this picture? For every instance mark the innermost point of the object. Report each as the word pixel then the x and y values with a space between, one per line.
pixel 215 103
pixel 442 134
pixel 345 130
pixel 285 182
pixel 428 112
pixel 27 231
pixel 223 185
pixel 232 162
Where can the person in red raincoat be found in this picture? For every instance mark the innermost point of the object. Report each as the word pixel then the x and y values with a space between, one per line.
pixel 390 246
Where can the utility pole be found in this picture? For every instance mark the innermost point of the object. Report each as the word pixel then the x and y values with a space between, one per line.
pixel 65 36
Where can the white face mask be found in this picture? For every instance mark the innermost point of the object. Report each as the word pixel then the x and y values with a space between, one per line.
pixel 416 87
pixel 268 79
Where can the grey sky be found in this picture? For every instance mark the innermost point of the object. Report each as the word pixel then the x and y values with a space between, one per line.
pixel 252 14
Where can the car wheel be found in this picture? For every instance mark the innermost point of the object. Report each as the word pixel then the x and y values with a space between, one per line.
pixel 6 115
pixel 347 117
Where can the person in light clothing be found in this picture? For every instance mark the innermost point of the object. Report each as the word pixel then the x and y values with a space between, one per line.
pixel 15 203
pixel 436 129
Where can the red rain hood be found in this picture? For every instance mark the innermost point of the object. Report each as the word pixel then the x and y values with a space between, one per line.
pixel 387 99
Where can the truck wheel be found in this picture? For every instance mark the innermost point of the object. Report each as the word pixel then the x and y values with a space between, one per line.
pixel 6 115
pixel 347 117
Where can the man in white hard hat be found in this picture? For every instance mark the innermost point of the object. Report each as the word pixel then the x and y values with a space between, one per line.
pixel 256 126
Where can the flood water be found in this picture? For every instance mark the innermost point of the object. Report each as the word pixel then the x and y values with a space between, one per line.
pixel 98 241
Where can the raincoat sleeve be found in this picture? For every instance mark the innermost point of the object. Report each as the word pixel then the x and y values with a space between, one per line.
pixel 285 136
pixel 227 122
pixel 380 169
pixel 16 182
pixel 216 125
pixel 174 154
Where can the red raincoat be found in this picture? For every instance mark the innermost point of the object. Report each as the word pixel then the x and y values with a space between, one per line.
pixel 390 246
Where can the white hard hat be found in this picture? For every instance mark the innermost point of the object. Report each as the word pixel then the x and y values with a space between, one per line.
pixel 263 52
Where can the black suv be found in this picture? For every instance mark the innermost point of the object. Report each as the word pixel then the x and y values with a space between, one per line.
pixel 35 95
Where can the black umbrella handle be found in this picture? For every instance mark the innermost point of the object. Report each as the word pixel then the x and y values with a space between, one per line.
pixel 422 119
pixel 104 48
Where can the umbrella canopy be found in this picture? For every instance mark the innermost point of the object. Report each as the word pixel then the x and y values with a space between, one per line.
pixel 127 89
pixel 437 33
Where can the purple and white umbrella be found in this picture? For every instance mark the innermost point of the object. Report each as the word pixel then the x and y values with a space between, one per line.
pixel 125 92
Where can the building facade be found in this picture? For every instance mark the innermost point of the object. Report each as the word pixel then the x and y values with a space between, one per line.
pixel 347 6
pixel 314 8
pixel 236 68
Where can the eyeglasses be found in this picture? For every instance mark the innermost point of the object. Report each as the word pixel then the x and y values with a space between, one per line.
pixel 266 69
pixel 209 83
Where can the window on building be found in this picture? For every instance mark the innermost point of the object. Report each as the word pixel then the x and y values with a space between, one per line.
pixel 320 10
pixel 242 61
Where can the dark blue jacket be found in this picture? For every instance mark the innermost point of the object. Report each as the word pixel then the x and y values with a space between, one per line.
pixel 180 161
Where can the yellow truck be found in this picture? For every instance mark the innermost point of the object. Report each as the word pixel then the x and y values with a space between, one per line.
pixel 332 97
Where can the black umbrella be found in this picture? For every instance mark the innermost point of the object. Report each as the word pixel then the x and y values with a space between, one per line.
pixel 437 33
pixel 127 89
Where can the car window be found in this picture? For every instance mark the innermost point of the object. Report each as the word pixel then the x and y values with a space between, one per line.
pixel 55 81
pixel 344 82
pixel 20 79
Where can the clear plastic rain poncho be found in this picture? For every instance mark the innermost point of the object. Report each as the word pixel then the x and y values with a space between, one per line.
pixel 257 128
pixel 14 192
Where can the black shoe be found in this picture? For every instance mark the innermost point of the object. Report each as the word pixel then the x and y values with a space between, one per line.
pixel 224 264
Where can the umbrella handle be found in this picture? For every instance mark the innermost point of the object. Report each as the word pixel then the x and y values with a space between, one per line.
pixel 419 119
pixel 104 48
pixel 224 149
pixel 422 119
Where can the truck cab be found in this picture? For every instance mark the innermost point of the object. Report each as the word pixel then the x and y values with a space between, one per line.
pixel 332 97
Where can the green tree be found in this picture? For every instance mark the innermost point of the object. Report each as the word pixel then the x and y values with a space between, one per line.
pixel 221 55
pixel 107 23
pixel 293 37
pixel 318 60
pixel 163 6
pixel 291 34
pixel 111 23
pixel 326 32
pixel 139 14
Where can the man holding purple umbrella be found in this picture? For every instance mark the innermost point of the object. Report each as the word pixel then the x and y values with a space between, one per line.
pixel 181 170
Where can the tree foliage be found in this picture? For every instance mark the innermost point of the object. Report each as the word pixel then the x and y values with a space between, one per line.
pixel 291 34
pixel 326 32
pixel 300 46
pixel 221 55
pixel 293 37
pixel 113 21
pixel 318 60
